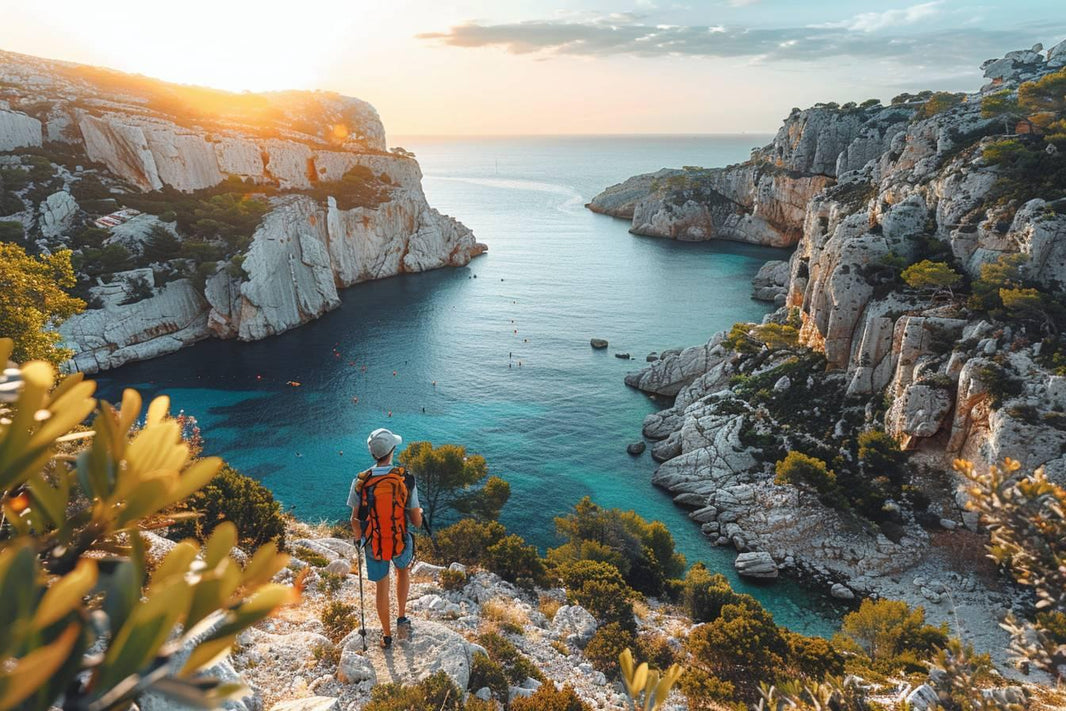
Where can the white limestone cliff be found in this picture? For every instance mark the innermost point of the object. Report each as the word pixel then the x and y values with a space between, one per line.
pixel 298 145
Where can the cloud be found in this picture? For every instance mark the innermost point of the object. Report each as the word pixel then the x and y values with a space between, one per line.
pixel 865 36
pixel 875 21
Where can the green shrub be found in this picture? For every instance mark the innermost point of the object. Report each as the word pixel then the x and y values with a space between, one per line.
pixel 891 635
pixel 703 594
pixel 338 618
pixel 12 231
pixel 312 558
pixel 232 496
pixel 466 541
pixel 938 103
pixel 742 646
pixel 642 551
pixel 329 584
pixel 607 602
pixel 516 667
pixel 655 649
pixel 574 574
pixel 515 562
pixel 798 469
pixel 485 672
pixel 609 641
pixel 931 276
pixel 813 657
pixel 434 693
pixel 548 698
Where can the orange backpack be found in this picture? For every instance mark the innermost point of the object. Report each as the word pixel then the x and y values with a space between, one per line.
pixel 383 500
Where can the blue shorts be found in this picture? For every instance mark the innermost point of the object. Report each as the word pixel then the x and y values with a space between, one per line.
pixel 378 569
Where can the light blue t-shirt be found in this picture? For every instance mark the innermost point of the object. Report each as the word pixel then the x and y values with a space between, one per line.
pixel 353 495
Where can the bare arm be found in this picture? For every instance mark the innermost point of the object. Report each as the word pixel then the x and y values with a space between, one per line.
pixel 415 516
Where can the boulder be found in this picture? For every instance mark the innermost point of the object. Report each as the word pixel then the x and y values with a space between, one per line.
pixel 771 281
pixel 598 343
pixel 430 648
pixel 623 356
pixel 636 448
pixel 57 213
pixel 757 565
pixel 18 130
pixel 574 624
pixel 922 698
pixel 841 592
pixel 339 567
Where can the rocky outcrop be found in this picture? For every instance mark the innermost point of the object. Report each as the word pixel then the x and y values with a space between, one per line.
pixel 315 240
pixel 120 333
pixel 895 187
pixel 621 199
pixel 17 130
pixel 771 282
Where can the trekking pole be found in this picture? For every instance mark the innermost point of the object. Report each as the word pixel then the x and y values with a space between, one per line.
pixel 362 602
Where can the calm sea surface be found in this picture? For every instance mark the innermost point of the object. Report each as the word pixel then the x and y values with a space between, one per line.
pixel 506 341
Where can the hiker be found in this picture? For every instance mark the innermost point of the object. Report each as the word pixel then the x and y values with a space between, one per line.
pixel 383 500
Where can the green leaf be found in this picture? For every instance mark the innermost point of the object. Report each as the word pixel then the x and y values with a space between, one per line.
pixel 66 594
pixel 21 679
pixel 221 542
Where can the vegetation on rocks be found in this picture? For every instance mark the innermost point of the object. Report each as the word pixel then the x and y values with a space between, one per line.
pixel 232 496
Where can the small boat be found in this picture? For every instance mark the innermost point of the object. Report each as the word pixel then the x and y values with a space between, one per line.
pixel 293 383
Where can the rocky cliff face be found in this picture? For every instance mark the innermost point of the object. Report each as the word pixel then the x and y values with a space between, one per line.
pixel 130 135
pixel 863 192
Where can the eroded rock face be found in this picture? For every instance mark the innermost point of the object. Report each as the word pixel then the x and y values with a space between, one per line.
pixel 894 189
pixel 771 282
pixel 299 146
pixel 17 130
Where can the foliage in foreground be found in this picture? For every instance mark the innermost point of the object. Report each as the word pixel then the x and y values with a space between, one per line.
pixel 72 566
pixel 1026 518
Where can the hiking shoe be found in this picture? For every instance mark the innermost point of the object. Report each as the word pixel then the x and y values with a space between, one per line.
pixel 403 628
pixel 386 641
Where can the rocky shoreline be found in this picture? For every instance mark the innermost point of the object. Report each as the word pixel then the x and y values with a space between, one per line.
pixel 857 189
pixel 137 137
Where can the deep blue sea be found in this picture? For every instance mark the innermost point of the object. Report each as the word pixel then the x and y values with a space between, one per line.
pixel 494 356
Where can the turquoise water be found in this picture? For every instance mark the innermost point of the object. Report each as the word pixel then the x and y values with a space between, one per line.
pixel 506 340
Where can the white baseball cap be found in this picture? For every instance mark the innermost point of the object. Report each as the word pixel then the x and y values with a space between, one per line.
pixel 382 441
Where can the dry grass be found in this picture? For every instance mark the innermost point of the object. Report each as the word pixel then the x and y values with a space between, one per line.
pixel 504 615
pixel 548 606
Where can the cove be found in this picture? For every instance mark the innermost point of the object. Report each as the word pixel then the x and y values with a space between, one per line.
pixel 494 356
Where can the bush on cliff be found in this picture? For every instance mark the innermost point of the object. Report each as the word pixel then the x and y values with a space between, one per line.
pixel 1024 514
pixel 703 594
pixel 890 636
pixel 799 469
pixel 466 541
pixel 741 647
pixel 548 698
pixel 515 561
pixel 609 641
pixel 232 496
pixel 643 552
pixel 434 693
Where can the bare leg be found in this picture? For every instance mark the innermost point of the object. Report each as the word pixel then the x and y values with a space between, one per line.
pixel 383 605
pixel 403 586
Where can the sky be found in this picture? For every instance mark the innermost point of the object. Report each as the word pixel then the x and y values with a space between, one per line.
pixel 450 67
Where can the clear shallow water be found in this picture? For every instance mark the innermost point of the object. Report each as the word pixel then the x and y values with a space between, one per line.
pixel 506 340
